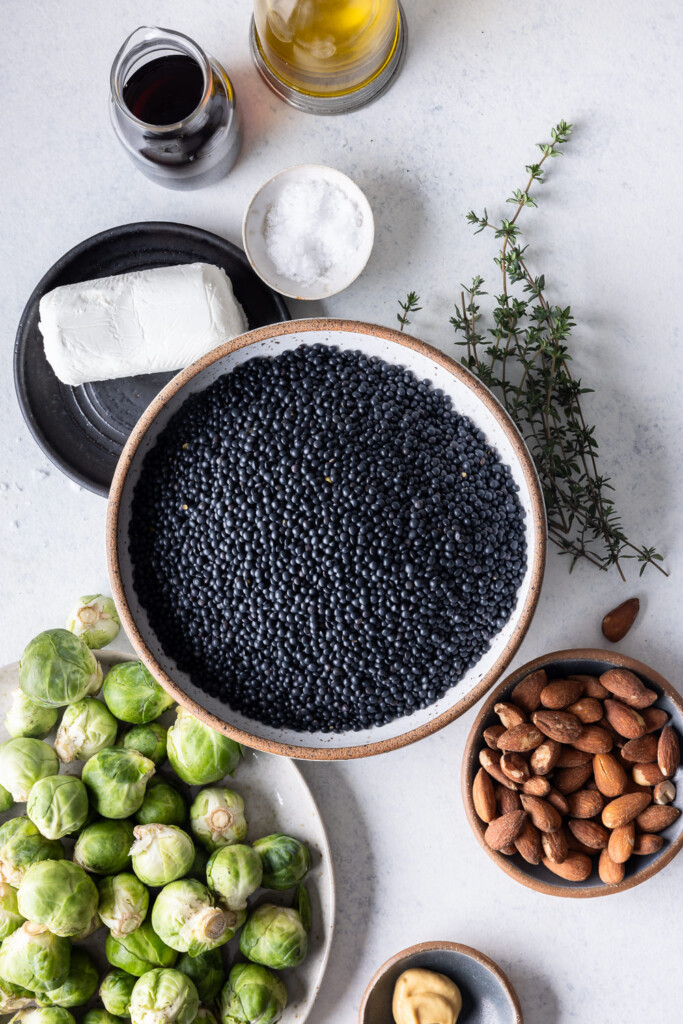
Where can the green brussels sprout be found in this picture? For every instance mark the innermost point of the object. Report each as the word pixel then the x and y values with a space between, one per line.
pixel 186 916
pixel 235 872
pixel 43 1015
pixel 253 995
pixel 22 762
pixel 149 739
pixel 21 845
pixel 26 718
pixel 286 861
pixel 198 869
pixel 217 817
pixel 124 901
pixel 87 727
pixel 116 990
pixel 116 780
pixel 207 972
pixel 164 997
pixel 95 620
pixel 58 805
pixel 13 997
pixel 92 926
pixel 199 754
pixel 162 805
pixel 6 800
pixel 80 984
pixel 35 958
pixel 57 668
pixel 161 853
pixel 101 1017
pixel 205 1016
pixel 10 918
pixel 139 951
pixel 104 847
pixel 58 894
pixel 274 936
pixel 132 693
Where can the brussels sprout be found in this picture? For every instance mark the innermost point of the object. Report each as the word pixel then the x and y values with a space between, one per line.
pixel 57 668
pixel 161 853
pixel 139 951
pixel 58 894
pixel 23 761
pixel 101 1017
pixel 35 958
pixel 253 995
pixel 123 903
pixel 104 847
pixel 235 872
pixel 164 997
pixel 133 694
pixel 207 972
pixel 95 620
pixel 92 926
pixel 13 997
pixel 286 861
pixel 6 800
pixel 198 869
pixel 186 917
pixel 274 936
pixel 163 805
pixel 205 1016
pixel 43 1015
pixel 26 718
pixel 117 780
pixel 10 918
pixel 58 805
pixel 217 817
pixel 149 739
pixel 116 990
pixel 79 986
pixel 21 845
pixel 199 754
pixel 86 728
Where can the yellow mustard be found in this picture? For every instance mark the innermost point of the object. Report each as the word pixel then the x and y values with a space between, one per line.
pixel 425 997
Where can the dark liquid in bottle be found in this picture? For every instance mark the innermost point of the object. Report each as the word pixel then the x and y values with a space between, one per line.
pixel 165 90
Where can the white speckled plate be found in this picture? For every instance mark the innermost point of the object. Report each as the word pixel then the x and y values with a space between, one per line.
pixel 277 799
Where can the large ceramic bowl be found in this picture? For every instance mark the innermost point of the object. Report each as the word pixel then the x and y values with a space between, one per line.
pixel 558 666
pixel 469 397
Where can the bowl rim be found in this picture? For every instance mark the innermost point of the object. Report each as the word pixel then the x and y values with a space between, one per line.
pixel 456 947
pixel 470 761
pixel 276 286
pixel 537 522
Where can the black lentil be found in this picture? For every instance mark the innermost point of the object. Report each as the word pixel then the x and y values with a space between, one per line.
pixel 322 542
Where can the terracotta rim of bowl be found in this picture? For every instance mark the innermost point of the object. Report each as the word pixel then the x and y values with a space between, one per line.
pixel 456 947
pixel 538 524
pixel 475 742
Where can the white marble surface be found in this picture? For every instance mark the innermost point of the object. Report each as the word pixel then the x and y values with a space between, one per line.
pixel 483 82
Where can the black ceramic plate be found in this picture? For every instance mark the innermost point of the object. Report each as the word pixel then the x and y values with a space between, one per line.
pixel 83 429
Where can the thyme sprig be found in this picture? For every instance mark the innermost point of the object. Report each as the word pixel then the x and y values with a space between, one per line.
pixel 409 306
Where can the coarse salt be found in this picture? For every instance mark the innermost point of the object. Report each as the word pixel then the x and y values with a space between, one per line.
pixel 311 229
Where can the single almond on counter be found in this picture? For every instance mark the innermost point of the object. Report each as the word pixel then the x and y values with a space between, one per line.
pixel 492 734
pixel 664 792
pixel 625 720
pixel 624 809
pixel 490 761
pixel 654 718
pixel 655 818
pixel 555 845
pixel 558 800
pixel 558 725
pixel 527 693
pixel 594 740
pixel 585 803
pixel 617 623
pixel 515 767
pixel 625 685
pixel 521 738
pixel 560 693
pixel 610 872
pixel 621 842
pixel 647 774
pixel 568 780
pixel 592 687
pixel 668 752
pixel 504 830
pixel 641 750
pixel 507 800
pixel 483 796
pixel 543 814
pixel 646 843
pixel 528 843
pixel 571 758
pixel 591 833
pixel 536 786
pixel 509 714
pixel 588 710
pixel 545 757
pixel 576 867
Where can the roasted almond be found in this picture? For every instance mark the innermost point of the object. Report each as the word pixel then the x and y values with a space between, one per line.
pixel 504 830
pixel 621 842
pixel 617 623
pixel 484 797
pixel 668 752
pixel 561 693
pixel 571 758
pixel 568 780
pixel 624 809
pixel 545 757
pixel 585 803
pixel 610 777
pixel 647 774
pixel 507 800
pixel 591 833
pixel 664 792
pixel 640 751
pixel 592 687
pixel 558 725
pixel 576 867
pixel 625 685
pixel 594 740
pixel 490 761
pixel 527 693
pixel 655 818
pixel 646 700
pixel 543 814
pixel 654 718
pixel 521 738
pixel 558 800
pixel 515 767
pixel 509 714
pixel 528 843
pixel 625 720
pixel 588 710
pixel 610 872
pixel 574 844
pixel 509 851
pixel 491 735
pixel 537 785
pixel 555 845
pixel 646 843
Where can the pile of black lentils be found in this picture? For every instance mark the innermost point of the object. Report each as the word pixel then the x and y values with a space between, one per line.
pixel 322 542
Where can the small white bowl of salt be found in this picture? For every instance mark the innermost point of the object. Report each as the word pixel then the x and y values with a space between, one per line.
pixel 308 232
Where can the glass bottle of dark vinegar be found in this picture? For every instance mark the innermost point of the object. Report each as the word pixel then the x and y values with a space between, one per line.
pixel 173 108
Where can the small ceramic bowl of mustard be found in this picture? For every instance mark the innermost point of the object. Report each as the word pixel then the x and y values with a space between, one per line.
pixel 487 994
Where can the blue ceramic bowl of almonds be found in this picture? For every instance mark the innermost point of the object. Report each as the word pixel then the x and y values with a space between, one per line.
pixel 641 850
